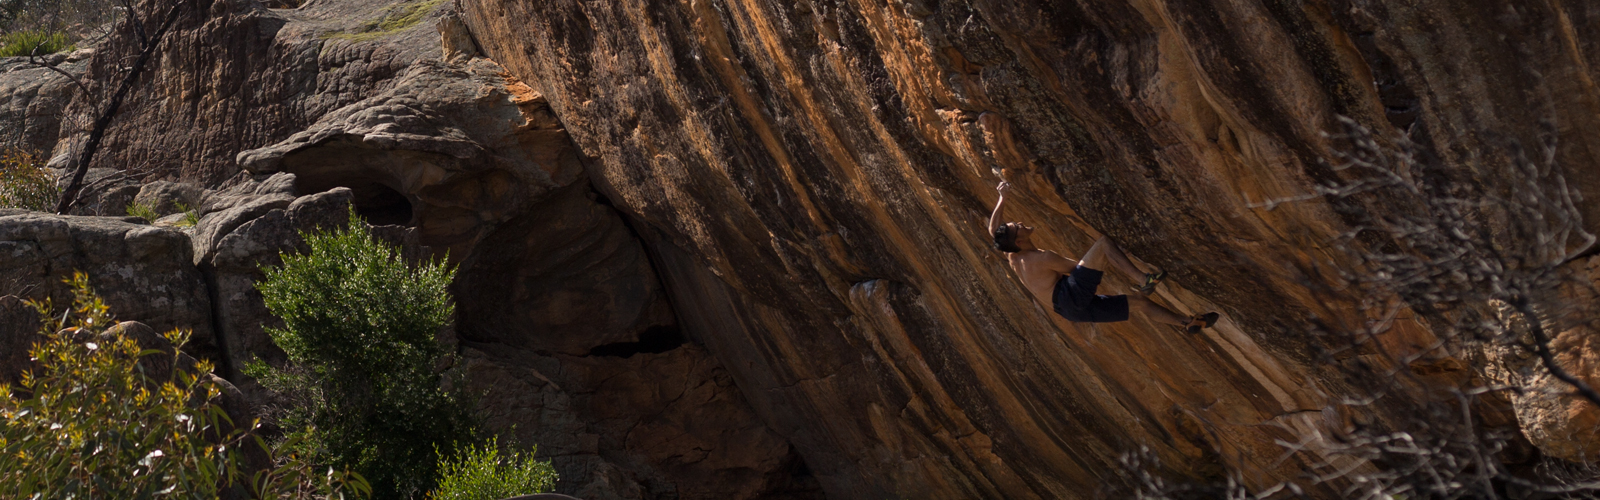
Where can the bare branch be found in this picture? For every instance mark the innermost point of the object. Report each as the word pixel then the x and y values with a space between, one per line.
pixel 1541 346
pixel 69 195
pixel 138 24
pixel 35 61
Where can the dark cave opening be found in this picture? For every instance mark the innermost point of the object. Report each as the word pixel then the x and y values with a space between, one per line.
pixel 655 340
pixel 381 206
pixel 378 204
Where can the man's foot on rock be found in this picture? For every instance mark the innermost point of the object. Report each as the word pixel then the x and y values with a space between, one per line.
pixel 1199 321
pixel 1150 282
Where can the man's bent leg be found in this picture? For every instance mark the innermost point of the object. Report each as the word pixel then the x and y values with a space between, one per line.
pixel 1104 252
pixel 1154 311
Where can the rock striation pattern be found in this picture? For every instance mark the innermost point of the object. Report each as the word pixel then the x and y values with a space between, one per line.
pixel 813 178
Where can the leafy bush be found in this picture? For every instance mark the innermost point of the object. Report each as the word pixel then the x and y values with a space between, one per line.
pixel 90 421
pixel 22 43
pixel 25 183
pixel 359 330
pixel 483 473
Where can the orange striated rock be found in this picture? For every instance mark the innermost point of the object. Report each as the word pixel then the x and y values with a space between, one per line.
pixel 812 179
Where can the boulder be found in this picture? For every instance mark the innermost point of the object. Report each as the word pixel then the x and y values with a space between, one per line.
pixel 169 197
pixel 106 191
pixel 452 150
pixel 234 262
pixel 460 161
pixel 144 273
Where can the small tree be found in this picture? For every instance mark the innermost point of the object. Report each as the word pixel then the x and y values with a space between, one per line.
pixel 359 331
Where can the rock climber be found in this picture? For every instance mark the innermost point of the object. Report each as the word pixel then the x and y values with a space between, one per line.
pixel 1069 287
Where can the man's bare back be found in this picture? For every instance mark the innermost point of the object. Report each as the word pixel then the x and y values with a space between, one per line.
pixel 1049 277
pixel 1039 270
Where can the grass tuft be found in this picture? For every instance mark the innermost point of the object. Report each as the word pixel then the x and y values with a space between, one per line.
pixel 191 217
pixel 143 211
pixel 22 43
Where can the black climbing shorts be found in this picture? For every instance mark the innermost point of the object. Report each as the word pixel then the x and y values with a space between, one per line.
pixel 1075 300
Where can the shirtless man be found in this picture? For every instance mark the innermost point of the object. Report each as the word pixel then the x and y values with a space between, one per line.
pixel 1068 287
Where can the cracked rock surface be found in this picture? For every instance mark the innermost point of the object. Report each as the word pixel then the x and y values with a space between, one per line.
pixel 143 272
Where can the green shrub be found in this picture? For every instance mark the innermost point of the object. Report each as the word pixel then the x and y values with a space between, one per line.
pixel 25 183
pixel 88 422
pixel 143 211
pixel 483 473
pixel 22 43
pixel 359 331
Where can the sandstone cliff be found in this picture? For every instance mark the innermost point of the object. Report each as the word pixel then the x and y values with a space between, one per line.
pixel 813 178
pixel 735 249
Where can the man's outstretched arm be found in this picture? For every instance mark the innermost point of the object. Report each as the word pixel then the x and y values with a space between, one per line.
pixel 996 219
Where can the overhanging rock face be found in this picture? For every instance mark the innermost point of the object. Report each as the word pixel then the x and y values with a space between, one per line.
pixel 813 178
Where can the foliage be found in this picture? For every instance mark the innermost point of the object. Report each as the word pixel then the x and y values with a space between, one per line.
pixel 76 18
pixel 30 42
pixel 359 331
pixel 144 211
pixel 25 182
pixel 481 472
pixel 92 420
pixel 294 477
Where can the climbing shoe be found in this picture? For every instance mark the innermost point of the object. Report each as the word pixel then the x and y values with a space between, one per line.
pixel 1200 321
pixel 1150 282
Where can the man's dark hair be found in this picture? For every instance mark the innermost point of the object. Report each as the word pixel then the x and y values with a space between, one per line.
pixel 1005 238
